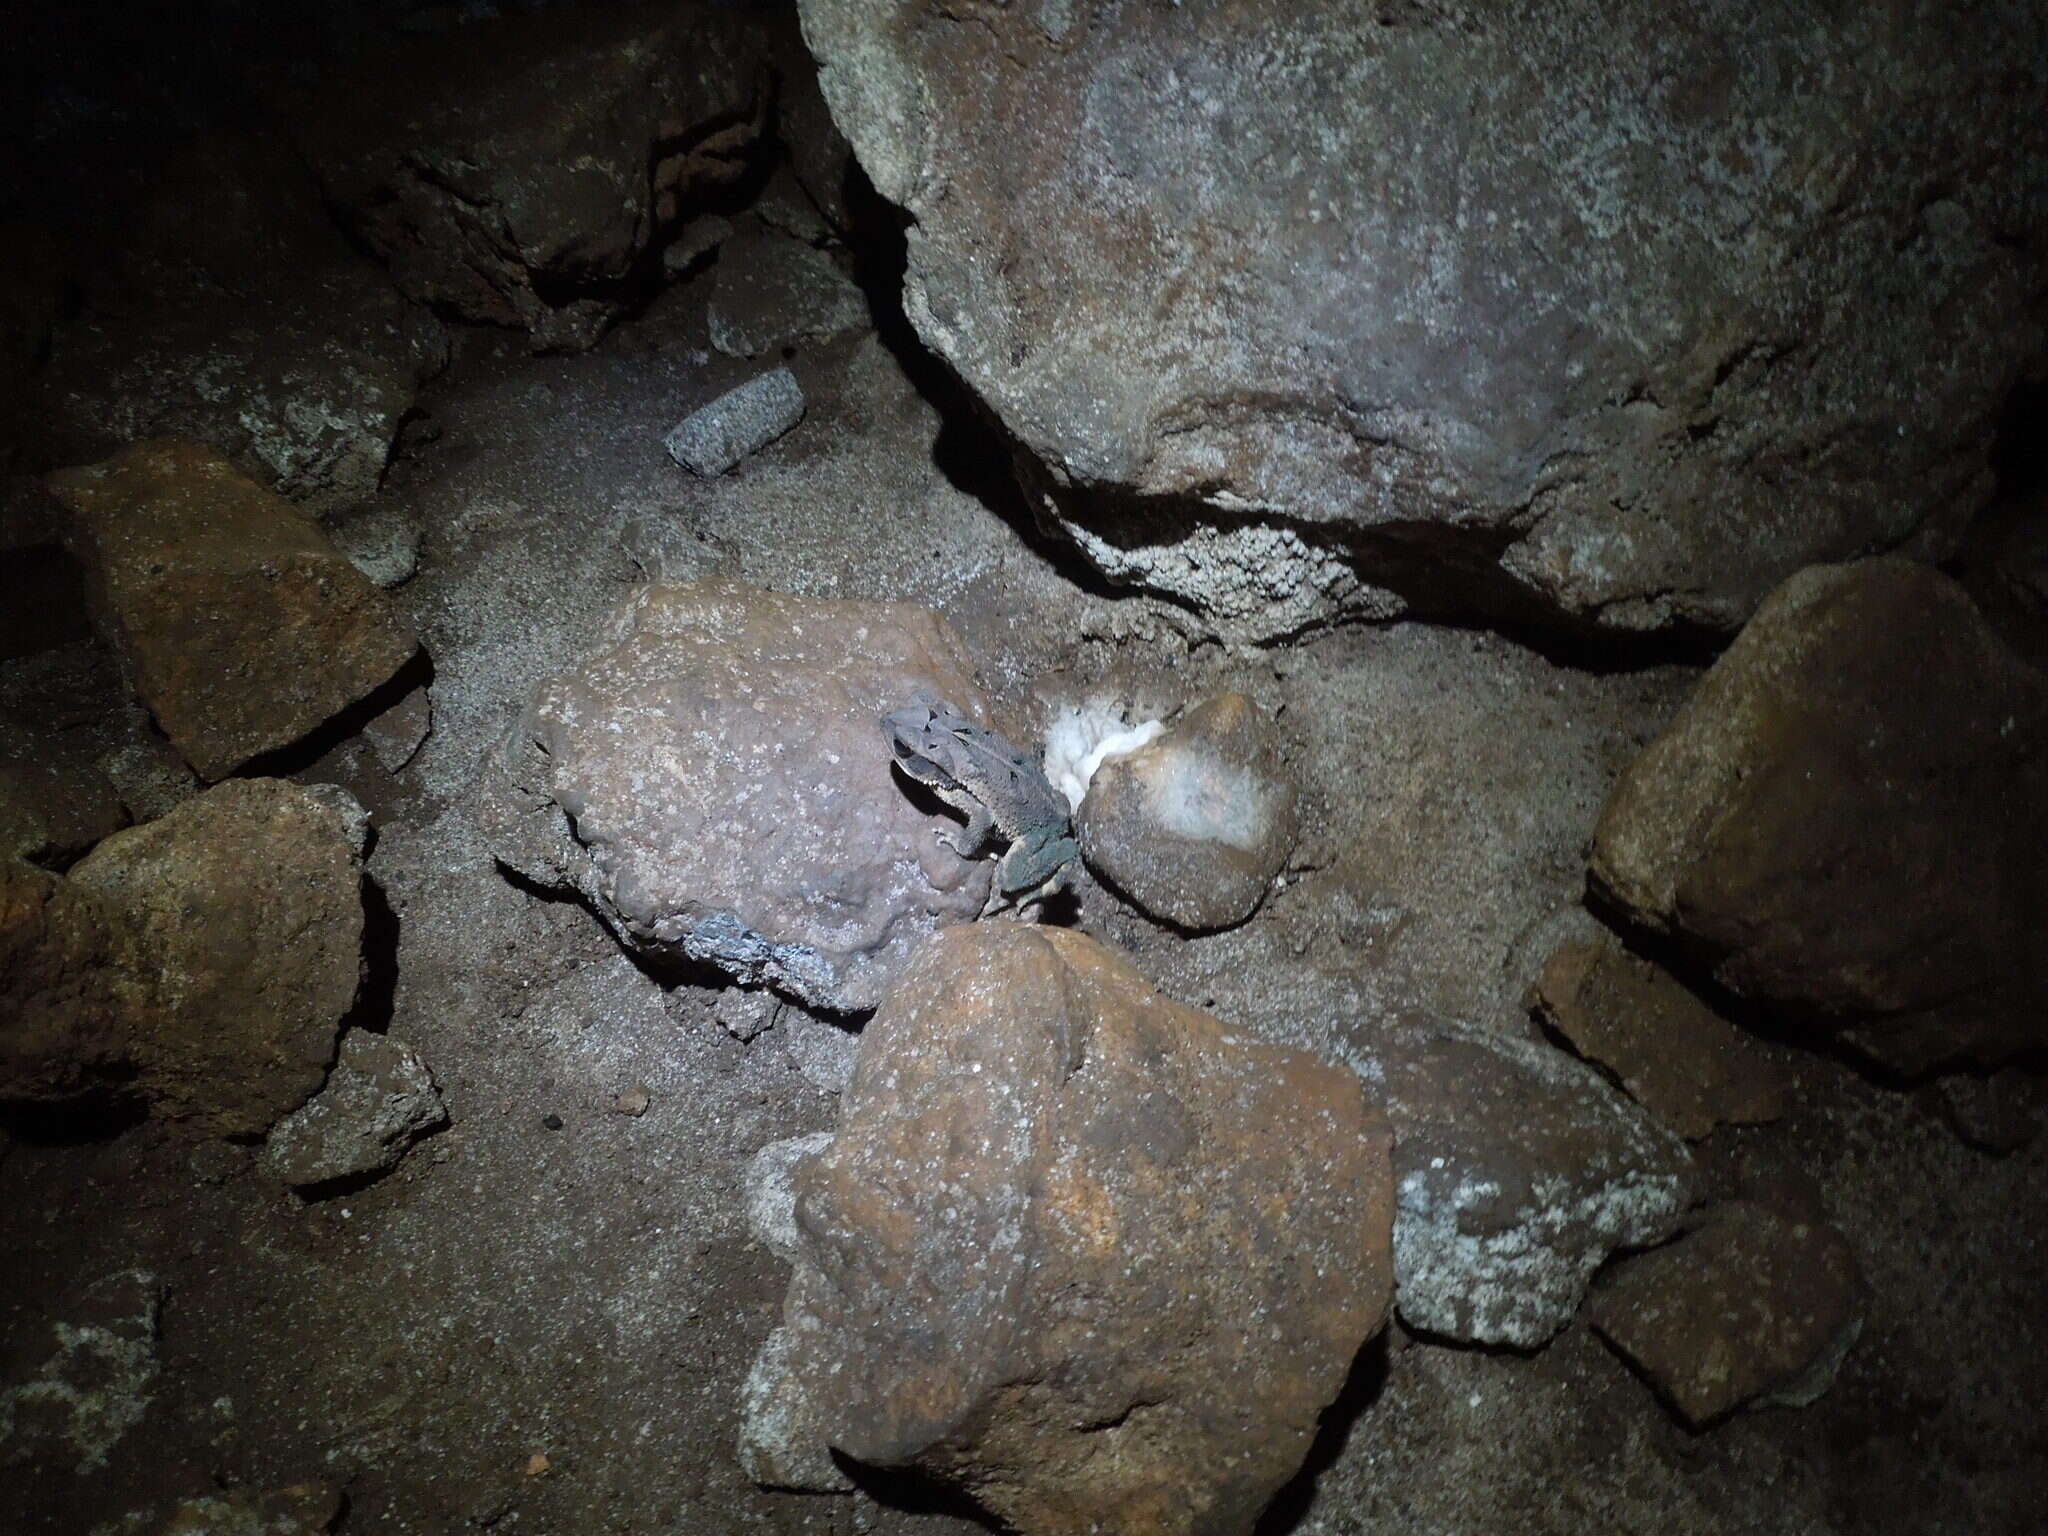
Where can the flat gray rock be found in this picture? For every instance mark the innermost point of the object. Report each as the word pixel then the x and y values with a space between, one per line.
pixel 379 1099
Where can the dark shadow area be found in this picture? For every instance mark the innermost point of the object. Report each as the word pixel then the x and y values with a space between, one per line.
pixel 2019 455
pixel 101 1116
pixel 377 995
pixel 913 1492
pixel 300 756
pixel 1363 1385
pixel 42 601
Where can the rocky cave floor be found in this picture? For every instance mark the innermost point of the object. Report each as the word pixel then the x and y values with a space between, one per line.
pixel 540 1320
pixel 553 1277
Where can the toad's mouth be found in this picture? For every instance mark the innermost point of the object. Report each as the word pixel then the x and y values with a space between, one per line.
pixel 924 770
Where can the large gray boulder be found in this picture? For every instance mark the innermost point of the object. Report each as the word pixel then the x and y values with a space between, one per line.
pixel 1568 310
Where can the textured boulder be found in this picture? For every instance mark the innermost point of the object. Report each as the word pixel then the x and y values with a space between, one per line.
pixel 54 801
pixel 713 779
pixel 1193 826
pixel 1079 1250
pixel 518 171
pixel 1567 308
pixel 1517 1171
pixel 1845 820
pixel 379 1099
pixel 241 625
pixel 1679 1059
pixel 238 315
pixel 1749 1309
pixel 772 292
pixel 76 992
pixel 228 946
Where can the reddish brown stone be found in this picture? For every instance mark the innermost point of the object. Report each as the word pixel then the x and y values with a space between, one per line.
pixel 1845 820
pixel 241 625
pixel 1679 1059
pixel 1079 1250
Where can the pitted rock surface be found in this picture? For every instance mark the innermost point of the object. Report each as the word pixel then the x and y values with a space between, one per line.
pixel 517 171
pixel 246 910
pixel 1749 1309
pixel 239 315
pixel 76 990
pixel 1517 1171
pixel 1194 825
pixel 1297 302
pixel 715 782
pixel 241 626
pixel 1845 820
pixel 1080 1250
pixel 1676 1056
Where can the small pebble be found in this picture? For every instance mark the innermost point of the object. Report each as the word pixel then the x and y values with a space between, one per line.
pixel 633 1101
pixel 537 1465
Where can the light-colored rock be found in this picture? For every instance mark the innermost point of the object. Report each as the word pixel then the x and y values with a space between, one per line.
pixel 1193 826
pixel 713 781
pixel 1078 1250
pixel 1570 312
pixel 1748 1309
pixel 715 437
pixel 1844 820
pixel 1518 1170
pixel 771 1196
pixel 241 626
pixel 379 1099
pixel 95 1385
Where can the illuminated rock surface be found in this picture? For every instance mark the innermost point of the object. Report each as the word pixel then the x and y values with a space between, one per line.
pixel 1079 1250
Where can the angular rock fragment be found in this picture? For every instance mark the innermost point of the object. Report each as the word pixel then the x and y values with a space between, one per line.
pixel 1749 1309
pixel 97 1382
pixel 238 315
pixel 772 292
pixel 246 914
pixel 715 437
pixel 1995 1112
pixel 713 781
pixel 379 1099
pixel 55 803
pixel 1659 397
pixel 1079 1250
pixel 1679 1059
pixel 516 171
pixel 397 735
pixel 1193 826
pixel 771 1194
pixel 1517 1172
pixel 1845 820
pixel 241 625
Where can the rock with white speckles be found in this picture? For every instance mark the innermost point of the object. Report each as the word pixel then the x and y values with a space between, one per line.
pixel 1566 311
pixel 716 436
pixel 713 782
pixel 299 1509
pixel 379 1099
pixel 239 316
pixel 1517 1171
pixel 79 1401
pixel 1076 1249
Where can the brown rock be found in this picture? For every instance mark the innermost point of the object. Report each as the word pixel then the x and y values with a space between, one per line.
pixel 514 171
pixel 1995 1112
pixel 76 994
pixel 1679 1059
pixel 1846 818
pixel 241 625
pixel 246 914
pixel 1193 826
pixel 715 782
pixel 1749 1309
pixel 1080 1250
pixel 54 801
pixel 1518 1170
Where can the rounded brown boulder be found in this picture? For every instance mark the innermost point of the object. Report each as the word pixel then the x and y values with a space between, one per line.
pixel 1076 1249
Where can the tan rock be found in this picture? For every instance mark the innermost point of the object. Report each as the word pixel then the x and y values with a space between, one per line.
pixel 1677 1057
pixel 1080 1250
pixel 1194 825
pixel 240 623
pixel 75 990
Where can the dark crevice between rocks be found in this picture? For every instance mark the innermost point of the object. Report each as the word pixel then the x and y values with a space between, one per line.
pixel 1362 1387
pixel 2019 452
pixel 377 994
pixel 300 756
pixel 914 1492
pixel 111 1108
